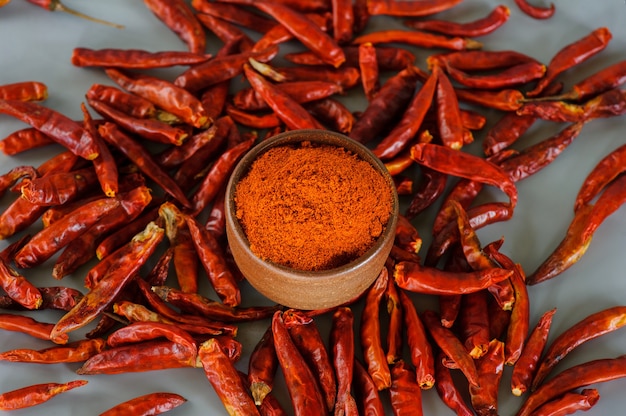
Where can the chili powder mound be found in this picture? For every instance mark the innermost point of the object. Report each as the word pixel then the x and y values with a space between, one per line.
pixel 312 207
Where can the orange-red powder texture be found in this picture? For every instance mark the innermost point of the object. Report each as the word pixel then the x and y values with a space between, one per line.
pixel 312 207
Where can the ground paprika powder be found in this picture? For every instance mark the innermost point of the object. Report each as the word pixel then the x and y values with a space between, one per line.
pixel 312 206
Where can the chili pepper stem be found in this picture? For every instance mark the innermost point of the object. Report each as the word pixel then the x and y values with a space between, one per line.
pixel 57 6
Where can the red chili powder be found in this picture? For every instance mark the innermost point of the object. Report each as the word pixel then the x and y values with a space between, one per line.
pixel 312 207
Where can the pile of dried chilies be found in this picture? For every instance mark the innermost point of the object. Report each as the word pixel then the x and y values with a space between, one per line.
pixel 110 205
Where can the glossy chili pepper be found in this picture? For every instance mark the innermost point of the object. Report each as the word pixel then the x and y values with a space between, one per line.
pixel 365 392
pixel 396 323
pixel 447 390
pixel 262 367
pixel 131 104
pixel 333 113
pixel 601 81
pixel 147 404
pixel 407 236
pixel 343 21
pixel 573 54
pixel 400 136
pixel 163 94
pixel 22 140
pixel 18 288
pixel 303 29
pixel 180 18
pixel 218 69
pixel 404 8
pixel 133 58
pixel 463 192
pixel 226 31
pixel 72 352
pixel 504 100
pixel 285 107
pixel 54 297
pixel 382 109
pixel 13 176
pixel 607 169
pixel 591 327
pixel 608 104
pixel 300 91
pixel 420 349
pixel 490 367
pixel 473 323
pixel 103 293
pixel 580 231
pixel 218 175
pixel 30 326
pixel 370 334
pixel 368 65
pixel 24 91
pixel 144 331
pixel 206 140
pixel 570 402
pixel 140 357
pixel 143 159
pixel 213 261
pixel 535 12
pixel 184 256
pixel 507 78
pixel 451 346
pixel 347 77
pixel 35 394
pixel 405 394
pixel 58 6
pixel 253 121
pixel 53 124
pixel 536 157
pixel 59 188
pixel 590 372
pixel 479 60
pixel 387 57
pixel 525 367
pixel 235 14
pixel 423 279
pixel 307 338
pixel 302 387
pixel 464 165
pixel 342 352
pixel 418 39
pixel 449 122
pixel 121 236
pixel 479 27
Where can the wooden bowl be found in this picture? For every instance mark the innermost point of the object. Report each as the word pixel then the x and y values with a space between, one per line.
pixel 303 289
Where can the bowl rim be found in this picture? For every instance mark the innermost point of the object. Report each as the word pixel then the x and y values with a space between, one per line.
pixel 315 136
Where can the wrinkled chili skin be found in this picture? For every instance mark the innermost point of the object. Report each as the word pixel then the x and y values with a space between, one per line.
pixel 179 17
pixel 570 403
pixel 405 394
pixel 35 394
pixel 366 393
pixel 148 404
pixel 480 27
pixel 262 367
pixel 133 58
pixel 534 11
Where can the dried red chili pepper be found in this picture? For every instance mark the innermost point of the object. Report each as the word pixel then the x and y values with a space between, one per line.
pixel 200 305
pixel 59 188
pixel 300 91
pixel 262 366
pixel 18 288
pixel 286 108
pixel 607 169
pixel 369 332
pixel 535 12
pixel 387 57
pixel 573 54
pixel 13 176
pixel 206 141
pixel 604 80
pixel 30 326
pixel 447 390
pixel 462 164
pixel 570 402
pixel 180 18
pixel 507 78
pixel 365 392
pixel 234 14
pixel 343 21
pixel 404 8
pixel 525 367
pixel 391 100
pixel 405 394
pixel 130 104
pixel 213 261
pixel 342 352
pixel 590 372
pixel 22 140
pixel 253 121
pixel 368 65
pixel 449 122
pixel 35 394
pixel 103 293
pixel 147 404
pixel 306 397
pixel 121 236
pixel 479 27
pixel 420 350
pixel 307 338
pixel 473 323
pixel 143 159
pixel 490 367
pixel 72 352
pixel 133 58
pixel 163 94
pixel 24 91
pixel 57 6
pixel 419 39
pixel 399 137
pixel 479 60
pixel 591 327
pixel 504 100
pixel 580 231
pixel 53 124
pixel 140 357
pixel 143 331
pixel 396 323
pixel 333 113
